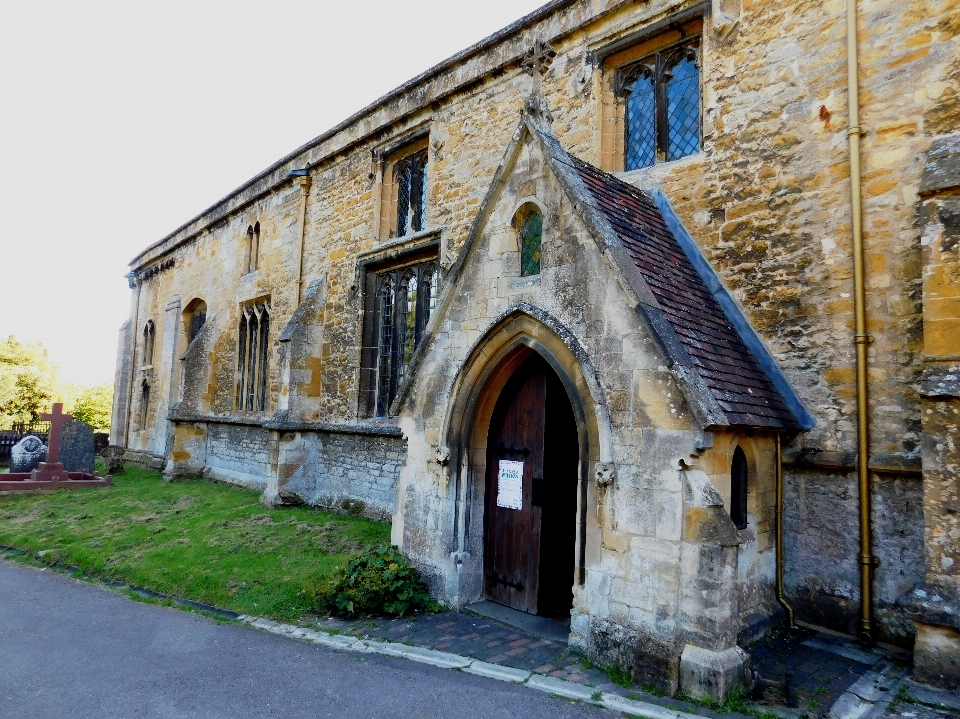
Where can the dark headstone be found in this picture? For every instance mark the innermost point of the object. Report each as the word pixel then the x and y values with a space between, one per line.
pixel 26 454
pixel 76 446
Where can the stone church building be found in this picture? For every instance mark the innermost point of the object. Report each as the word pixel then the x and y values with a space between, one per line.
pixel 640 315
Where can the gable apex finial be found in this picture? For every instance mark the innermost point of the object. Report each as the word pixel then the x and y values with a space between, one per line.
pixel 536 61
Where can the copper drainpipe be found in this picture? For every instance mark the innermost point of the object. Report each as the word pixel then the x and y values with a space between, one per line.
pixel 304 192
pixel 861 339
pixel 135 329
pixel 780 595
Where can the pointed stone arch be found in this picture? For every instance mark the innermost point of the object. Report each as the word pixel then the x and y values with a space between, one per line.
pixel 521 331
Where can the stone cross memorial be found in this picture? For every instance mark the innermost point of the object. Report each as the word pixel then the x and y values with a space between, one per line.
pixel 70 451
pixel 52 469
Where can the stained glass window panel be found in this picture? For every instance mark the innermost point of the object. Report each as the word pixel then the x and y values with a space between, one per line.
pixel 683 110
pixel 641 137
pixel 530 245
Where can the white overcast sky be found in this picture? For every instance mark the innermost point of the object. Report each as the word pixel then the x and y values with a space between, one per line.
pixel 119 121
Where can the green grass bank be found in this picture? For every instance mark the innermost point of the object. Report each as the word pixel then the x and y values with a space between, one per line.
pixel 194 539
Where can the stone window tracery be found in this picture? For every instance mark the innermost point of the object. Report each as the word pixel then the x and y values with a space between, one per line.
pixel 403 298
pixel 411 177
pixel 661 95
pixel 253 356
pixel 738 488
pixel 651 98
pixel 404 190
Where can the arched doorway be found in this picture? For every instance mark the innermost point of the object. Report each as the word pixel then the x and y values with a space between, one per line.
pixel 531 510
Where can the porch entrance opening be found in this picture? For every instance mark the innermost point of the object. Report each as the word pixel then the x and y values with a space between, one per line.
pixel 530 515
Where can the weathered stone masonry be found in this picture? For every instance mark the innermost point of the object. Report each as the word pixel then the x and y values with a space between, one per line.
pixel 766 204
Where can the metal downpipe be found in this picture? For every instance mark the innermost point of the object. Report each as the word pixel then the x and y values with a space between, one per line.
pixel 780 595
pixel 861 339
pixel 304 193
pixel 135 331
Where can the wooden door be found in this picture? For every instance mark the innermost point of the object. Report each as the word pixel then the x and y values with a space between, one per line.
pixel 512 533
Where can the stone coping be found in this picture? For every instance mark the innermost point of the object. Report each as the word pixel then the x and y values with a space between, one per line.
pixel 385 428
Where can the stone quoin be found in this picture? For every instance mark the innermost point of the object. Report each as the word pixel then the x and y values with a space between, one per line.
pixel 579 311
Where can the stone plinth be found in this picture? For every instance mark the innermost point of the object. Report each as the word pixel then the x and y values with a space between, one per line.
pixel 705 674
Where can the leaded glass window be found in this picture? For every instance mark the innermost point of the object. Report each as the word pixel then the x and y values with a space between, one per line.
pixel 531 236
pixel 411 178
pixel 661 106
pixel 405 299
pixel 253 356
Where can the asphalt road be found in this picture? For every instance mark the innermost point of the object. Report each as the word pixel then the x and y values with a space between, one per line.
pixel 73 649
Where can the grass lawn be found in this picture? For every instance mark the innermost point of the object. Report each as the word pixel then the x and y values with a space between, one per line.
pixel 194 539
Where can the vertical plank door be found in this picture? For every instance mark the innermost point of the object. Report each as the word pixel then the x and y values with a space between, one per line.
pixel 512 536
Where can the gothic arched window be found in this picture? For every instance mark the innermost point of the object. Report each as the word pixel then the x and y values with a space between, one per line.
pixel 531 243
pixel 253 356
pixel 405 297
pixel 149 338
pixel 738 489
pixel 661 106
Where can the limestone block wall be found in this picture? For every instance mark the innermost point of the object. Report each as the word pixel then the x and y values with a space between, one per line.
pixel 822 533
pixel 239 454
pixel 767 201
pixel 355 472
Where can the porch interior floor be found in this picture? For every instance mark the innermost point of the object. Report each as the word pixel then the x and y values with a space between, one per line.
pixel 543 627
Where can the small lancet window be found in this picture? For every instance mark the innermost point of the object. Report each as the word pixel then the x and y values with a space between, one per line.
pixel 144 403
pixel 738 489
pixel 531 239
pixel 253 248
pixel 410 174
pixel 149 337
pixel 198 315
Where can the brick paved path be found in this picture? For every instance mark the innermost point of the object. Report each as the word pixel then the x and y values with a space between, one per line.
pixel 823 667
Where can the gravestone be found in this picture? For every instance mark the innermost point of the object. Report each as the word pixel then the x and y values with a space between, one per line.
pixel 76 446
pixel 27 454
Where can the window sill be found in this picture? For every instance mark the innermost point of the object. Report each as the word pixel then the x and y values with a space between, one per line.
pixel 396 243
pixel 650 176
pixel 520 282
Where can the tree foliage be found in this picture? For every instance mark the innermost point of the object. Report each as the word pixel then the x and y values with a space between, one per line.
pixel 94 406
pixel 28 380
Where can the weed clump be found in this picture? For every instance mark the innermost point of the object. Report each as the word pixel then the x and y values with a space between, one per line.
pixel 381 581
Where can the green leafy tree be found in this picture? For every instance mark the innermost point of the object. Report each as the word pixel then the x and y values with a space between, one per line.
pixel 94 406
pixel 28 380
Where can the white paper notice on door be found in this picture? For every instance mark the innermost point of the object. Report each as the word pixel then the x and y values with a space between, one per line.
pixel 510 484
